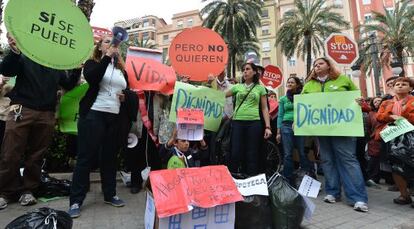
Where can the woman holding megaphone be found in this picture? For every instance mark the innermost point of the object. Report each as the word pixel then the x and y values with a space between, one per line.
pixel 98 125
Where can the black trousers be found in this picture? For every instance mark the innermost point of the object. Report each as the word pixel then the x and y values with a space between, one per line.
pixel 97 138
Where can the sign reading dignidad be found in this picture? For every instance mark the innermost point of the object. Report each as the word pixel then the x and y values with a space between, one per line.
pixel 52 33
pixel 209 100
pixel 328 114
pixel 198 52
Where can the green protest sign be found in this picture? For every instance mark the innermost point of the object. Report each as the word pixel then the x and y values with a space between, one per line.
pixel 209 100
pixel 401 127
pixel 328 114
pixel 69 108
pixel 53 33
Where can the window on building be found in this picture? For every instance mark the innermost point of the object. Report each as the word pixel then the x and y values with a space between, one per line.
pixel 165 38
pixel 266 46
pixel 180 24
pixel 266 61
pixel 190 22
pixel 265 29
pixel 367 17
pixel 293 75
pixel 153 22
pixel 292 62
pixel 265 13
pixel 390 10
pixel 145 23
pixel 338 3
pixel 366 2
pixel 164 54
pixel 145 36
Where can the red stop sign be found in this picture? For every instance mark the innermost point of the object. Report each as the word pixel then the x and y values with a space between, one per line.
pixel 272 77
pixel 342 49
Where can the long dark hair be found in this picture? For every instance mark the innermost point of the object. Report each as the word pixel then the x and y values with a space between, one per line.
pixel 97 55
pixel 299 84
pixel 256 76
pixel 373 108
pixel 333 71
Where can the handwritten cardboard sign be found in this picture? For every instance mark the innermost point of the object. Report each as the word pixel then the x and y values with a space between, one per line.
pixel 149 75
pixel 209 100
pixel 401 127
pixel 53 34
pixel 176 191
pixel 69 109
pixel 328 114
pixel 190 116
pixel 198 52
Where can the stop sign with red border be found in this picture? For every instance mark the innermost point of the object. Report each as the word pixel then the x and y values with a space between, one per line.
pixel 272 77
pixel 342 49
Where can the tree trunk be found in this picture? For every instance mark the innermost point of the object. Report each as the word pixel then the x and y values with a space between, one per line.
pixel 86 6
pixel 233 63
pixel 308 47
pixel 400 59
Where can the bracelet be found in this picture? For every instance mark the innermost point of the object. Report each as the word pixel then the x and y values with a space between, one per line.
pixel 268 127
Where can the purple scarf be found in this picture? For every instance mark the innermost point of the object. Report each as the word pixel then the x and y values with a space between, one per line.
pixel 290 94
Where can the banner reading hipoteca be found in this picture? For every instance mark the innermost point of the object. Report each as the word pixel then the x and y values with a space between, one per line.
pixel 198 52
pixel 53 33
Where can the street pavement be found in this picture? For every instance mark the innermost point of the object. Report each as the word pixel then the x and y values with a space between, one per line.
pixel 96 214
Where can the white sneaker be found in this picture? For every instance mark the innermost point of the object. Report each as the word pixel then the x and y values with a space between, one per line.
pixel 3 203
pixel 361 206
pixel 329 199
pixel 27 199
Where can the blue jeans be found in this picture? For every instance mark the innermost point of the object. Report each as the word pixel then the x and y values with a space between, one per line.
pixel 340 165
pixel 289 142
pixel 97 138
pixel 246 137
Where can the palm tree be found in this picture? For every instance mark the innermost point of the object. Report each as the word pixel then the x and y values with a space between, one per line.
pixel 235 21
pixel 395 32
pixel 245 47
pixel 137 42
pixel 86 7
pixel 305 28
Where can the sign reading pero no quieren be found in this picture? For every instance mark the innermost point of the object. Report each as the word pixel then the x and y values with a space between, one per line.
pixel 198 52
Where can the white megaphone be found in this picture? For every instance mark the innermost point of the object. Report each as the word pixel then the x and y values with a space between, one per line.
pixel 119 35
pixel 132 140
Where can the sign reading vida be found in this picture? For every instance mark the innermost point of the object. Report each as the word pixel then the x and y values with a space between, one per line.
pixel 53 34
pixel 198 52
pixel 328 114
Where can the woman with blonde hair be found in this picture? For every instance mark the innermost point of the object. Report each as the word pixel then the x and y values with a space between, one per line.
pixel 98 125
pixel 338 154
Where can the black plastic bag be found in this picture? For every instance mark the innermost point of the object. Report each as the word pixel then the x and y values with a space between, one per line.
pixel 288 207
pixel 51 187
pixel 42 218
pixel 402 154
pixel 253 212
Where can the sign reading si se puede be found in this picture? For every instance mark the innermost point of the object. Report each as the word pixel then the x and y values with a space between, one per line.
pixel 272 77
pixel 328 114
pixel 342 49
pixel 198 52
pixel 52 33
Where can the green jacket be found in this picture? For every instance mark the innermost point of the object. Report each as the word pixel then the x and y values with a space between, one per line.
pixel 285 112
pixel 342 83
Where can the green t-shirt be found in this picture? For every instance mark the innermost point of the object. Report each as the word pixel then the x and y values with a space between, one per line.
pixel 249 110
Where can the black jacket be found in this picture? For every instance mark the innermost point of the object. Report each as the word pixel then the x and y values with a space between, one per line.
pixel 94 73
pixel 196 154
pixel 36 85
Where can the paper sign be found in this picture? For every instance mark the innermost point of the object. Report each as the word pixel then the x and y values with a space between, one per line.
pixel 53 34
pixel 190 124
pixel 309 187
pixel 328 114
pixel 256 185
pixel 69 109
pixel 209 100
pixel 198 52
pixel 149 75
pixel 401 127
pixel 149 218
pixel 272 77
pixel 175 191
pixel 219 217
pixel 190 116
pixel 309 208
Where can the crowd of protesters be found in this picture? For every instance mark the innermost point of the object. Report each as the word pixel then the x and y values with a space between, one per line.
pixel 109 111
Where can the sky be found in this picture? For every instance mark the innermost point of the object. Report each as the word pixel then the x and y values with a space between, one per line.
pixel 107 12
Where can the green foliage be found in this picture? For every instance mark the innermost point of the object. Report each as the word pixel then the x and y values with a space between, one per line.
pixel 395 31
pixel 141 43
pixel 236 21
pixel 305 28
